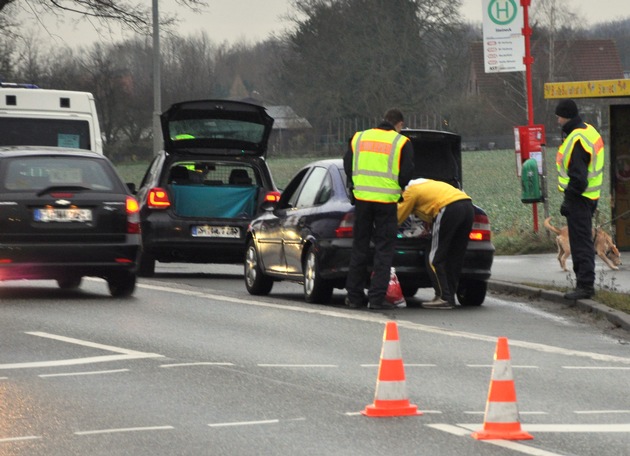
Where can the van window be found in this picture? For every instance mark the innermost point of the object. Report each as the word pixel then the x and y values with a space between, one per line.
pixel 74 134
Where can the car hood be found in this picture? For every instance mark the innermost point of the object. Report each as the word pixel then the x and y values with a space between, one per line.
pixel 222 127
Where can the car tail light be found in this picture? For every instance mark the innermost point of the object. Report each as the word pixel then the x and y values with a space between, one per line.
pixel 272 197
pixel 480 229
pixel 158 199
pixel 345 228
pixel 133 215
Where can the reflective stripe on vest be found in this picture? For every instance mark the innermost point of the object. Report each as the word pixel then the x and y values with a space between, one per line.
pixel 593 144
pixel 375 165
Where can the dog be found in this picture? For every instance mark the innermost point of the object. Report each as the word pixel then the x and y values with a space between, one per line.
pixel 604 246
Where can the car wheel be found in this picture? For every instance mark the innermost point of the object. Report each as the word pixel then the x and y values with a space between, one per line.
pixel 121 285
pixel 146 268
pixel 256 282
pixel 472 292
pixel 316 289
pixel 69 283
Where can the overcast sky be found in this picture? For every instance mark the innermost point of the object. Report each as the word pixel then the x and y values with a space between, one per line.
pixel 255 20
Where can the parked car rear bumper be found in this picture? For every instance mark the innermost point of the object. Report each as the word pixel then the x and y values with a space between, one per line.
pixel 36 261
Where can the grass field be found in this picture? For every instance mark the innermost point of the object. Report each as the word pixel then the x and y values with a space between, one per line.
pixel 489 177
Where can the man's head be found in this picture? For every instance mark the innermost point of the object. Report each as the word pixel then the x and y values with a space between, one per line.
pixel 566 110
pixel 395 117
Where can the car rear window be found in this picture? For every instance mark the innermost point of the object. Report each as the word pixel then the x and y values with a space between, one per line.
pixel 37 173
pixel 238 130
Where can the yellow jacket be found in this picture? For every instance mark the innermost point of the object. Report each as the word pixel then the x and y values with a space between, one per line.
pixel 426 197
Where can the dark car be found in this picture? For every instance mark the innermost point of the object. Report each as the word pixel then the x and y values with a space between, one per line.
pixel 66 214
pixel 307 237
pixel 200 193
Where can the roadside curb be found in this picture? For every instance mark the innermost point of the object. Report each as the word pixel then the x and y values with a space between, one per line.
pixel 615 317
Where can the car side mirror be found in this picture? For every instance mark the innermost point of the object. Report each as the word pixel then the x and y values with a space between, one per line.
pixel 132 187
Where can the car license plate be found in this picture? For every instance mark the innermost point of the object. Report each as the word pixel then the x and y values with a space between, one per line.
pixel 63 215
pixel 216 231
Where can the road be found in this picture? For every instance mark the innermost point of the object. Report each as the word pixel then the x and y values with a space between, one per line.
pixel 193 365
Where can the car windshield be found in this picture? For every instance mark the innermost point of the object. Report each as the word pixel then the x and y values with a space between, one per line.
pixel 181 130
pixel 37 173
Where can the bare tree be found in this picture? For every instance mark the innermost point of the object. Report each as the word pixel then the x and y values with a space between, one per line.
pixel 134 15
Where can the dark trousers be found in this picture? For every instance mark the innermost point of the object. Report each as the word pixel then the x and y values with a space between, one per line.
pixel 449 239
pixel 580 222
pixel 375 222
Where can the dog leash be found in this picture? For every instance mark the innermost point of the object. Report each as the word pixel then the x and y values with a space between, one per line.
pixel 597 225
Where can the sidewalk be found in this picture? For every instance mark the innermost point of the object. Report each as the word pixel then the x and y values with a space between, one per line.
pixel 526 273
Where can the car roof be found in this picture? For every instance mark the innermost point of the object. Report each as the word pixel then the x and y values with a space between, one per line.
pixel 229 127
pixel 14 151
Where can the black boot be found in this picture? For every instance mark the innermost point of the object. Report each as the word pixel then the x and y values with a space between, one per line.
pixel 580 292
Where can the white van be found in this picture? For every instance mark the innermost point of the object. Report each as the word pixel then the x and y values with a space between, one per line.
pixel 30 116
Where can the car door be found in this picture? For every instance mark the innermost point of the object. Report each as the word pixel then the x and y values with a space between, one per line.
pixel 298 225
pixel 269 227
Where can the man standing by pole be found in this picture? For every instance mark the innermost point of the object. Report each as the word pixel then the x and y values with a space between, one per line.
pixel 379 163
pixel 580 163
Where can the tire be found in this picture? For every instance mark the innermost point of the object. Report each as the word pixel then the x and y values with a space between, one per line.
pixel 256 282
pixel 316 289
pixel 472 293
pixel 146 268
pixel 69 283
pixel 121 285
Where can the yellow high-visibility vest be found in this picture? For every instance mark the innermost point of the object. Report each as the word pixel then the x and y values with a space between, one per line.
pixel 592 143
pixel 376 165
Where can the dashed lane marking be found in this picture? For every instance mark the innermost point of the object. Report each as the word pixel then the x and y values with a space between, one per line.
pixel 17 439
pixel 131 429
pixel 71 374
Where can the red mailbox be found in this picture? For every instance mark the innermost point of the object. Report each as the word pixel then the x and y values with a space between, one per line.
pixel 528 142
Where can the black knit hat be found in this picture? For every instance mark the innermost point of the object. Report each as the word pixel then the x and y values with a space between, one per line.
pixel 567 109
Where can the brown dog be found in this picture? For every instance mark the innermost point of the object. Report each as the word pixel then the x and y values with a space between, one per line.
pixel 604 246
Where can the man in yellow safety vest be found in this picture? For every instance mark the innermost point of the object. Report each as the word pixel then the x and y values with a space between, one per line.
pixel 580 164
pixel 379 163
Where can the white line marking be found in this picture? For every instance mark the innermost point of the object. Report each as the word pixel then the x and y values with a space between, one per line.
pixel 133 429
pixel 511 445
pixel 513 366
pixel 244 423
pixel 596 412
pixel 17 439
pixel 70 374
pixel 584 428
pixel 596 367
pixel 406 365
pixel 297 365
pixel 124 354
pixel 380 319
pixel 202 363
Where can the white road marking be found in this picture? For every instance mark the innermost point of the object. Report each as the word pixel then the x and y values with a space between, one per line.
pixel 244 423
pixel 17 439
pixel 597 367
pixel 513 366
pixel 71 374
pixel 125 354
pixel 201 363
pixel 406 365
pixel 599 412
pixel 133 429
pixel 377 318
pixel 584 428
pixel 297 365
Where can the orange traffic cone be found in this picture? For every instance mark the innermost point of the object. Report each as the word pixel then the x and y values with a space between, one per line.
pixel 391 391
pixel 501 417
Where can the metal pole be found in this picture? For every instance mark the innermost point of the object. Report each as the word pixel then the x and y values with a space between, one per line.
pixel 157 92
pixel 528 60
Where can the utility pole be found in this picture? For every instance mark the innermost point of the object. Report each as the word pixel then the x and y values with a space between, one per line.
pixel 157 90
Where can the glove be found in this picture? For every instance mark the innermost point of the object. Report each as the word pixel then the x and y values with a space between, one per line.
pixel 564 208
